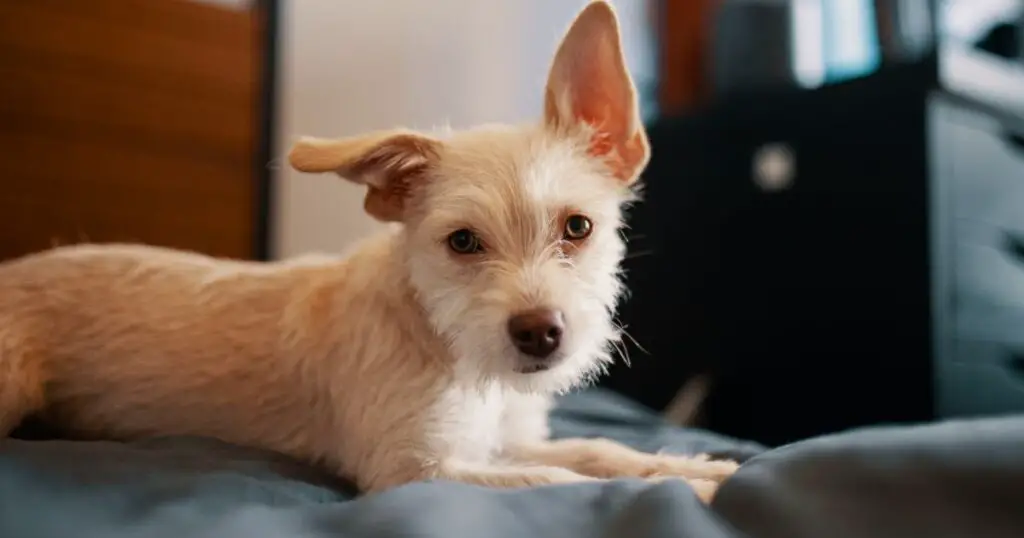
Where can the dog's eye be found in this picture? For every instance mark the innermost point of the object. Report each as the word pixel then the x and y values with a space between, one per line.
pixel 577 227
pixel 464 242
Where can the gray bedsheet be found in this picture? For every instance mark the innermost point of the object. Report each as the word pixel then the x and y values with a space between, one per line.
pixel 960 479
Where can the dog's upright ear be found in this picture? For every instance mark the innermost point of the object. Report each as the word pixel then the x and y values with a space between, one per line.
pixel 390 163
pixel 589 88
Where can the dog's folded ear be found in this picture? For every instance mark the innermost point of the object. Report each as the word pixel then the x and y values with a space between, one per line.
pixel 589 87
pixel 389 163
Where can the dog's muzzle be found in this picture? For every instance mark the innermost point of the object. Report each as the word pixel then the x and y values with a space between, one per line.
pixel 537 333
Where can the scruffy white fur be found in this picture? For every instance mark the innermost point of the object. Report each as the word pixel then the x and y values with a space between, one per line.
pixel 391 364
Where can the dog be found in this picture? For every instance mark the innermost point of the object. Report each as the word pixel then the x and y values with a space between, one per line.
pixel 430 351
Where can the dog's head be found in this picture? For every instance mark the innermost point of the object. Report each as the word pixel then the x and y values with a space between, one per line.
pixel 512 234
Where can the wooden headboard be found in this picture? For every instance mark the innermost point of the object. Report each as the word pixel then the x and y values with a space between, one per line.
pixel 683 28
pixel 130 120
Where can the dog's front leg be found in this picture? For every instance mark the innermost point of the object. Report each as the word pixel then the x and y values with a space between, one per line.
pixel 603 458
pixel 510 476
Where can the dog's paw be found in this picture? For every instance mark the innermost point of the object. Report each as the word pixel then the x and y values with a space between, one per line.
pixel 698 467
pixel 704 489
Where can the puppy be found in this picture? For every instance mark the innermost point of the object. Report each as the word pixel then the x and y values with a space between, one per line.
pixel 429 352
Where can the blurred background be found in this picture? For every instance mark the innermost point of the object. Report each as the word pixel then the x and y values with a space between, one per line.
pixel 834 230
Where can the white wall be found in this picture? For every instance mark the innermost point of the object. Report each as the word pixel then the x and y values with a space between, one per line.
pixel 348 66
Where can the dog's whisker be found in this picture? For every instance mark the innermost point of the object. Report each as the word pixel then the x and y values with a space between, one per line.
pixel 618 344
pixel 639 254
pixel 622 330
pixel 622 351
pixel 635 342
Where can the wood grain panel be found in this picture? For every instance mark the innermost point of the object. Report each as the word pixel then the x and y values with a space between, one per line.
pixel 683 28
pixel 138 47
pixel 128 120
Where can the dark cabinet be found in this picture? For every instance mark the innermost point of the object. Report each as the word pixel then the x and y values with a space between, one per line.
pixel 978 182
pixel 795 247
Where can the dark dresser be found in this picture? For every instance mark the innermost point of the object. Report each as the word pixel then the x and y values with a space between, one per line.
pixel 833 258
pixel 977 171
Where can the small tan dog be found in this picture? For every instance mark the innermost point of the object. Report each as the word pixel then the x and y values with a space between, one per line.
pixel 431 351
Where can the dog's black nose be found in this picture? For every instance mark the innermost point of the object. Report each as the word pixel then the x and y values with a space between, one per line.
pixel 537 332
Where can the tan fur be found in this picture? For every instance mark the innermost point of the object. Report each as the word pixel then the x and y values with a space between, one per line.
pixel 388 365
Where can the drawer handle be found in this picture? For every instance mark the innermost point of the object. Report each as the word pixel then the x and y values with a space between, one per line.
pixel 1014 246
pixel 1014 140
pixel 1015 363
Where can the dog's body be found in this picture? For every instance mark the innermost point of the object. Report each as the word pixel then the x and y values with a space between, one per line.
pixel 431 351
pixel 326 360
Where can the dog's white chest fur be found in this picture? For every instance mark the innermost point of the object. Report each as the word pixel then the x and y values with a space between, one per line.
pixel 468 422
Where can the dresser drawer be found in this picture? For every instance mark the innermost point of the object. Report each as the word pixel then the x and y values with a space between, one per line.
pixel 975 319
pixel 983 378
pixel 984 161
pixel 987 284
pixel 988 261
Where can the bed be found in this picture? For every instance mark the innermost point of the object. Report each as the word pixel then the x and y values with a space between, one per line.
pixel 963 478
